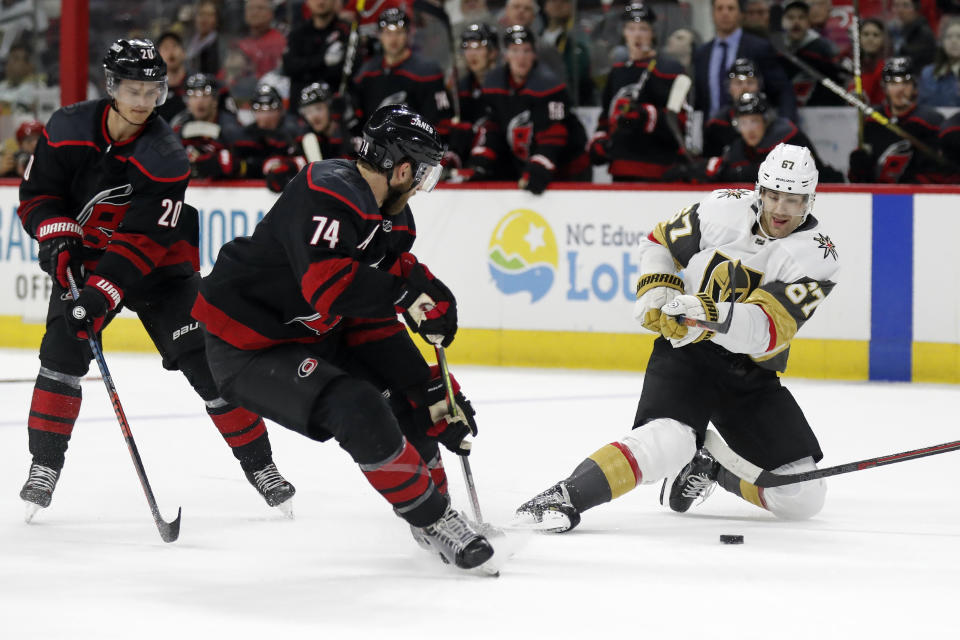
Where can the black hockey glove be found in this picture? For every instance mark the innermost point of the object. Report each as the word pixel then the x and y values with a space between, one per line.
pixel 536 178
pixel 61 248
pixel 428 306
pixel 97 298
pixel 861 166
pixel 431 414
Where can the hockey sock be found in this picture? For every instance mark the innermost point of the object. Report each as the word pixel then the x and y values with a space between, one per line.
pixel 244 431
pixel 53 412
pixel 608 473
pixel 437 473
pixel 404 480
pixel 737 486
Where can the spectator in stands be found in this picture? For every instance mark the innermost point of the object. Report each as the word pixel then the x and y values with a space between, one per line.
pixel 874 50
pixel 834 28
pixel 331 139
pixel 208 132
pixel 203 47
pixel 810 47
pixel 268 148
pixel 481 48
pixel 712 60
pixel 939 85
pixel 521 12
pixel 170 48
pixel 566 51
pixel 472 12
pixel 316 49
pixel 398 76
pixel 20 20
pixel 531 135
pixel 719 131
pixel 756 17
pixel 636 134
pixel 22 88
pixel 916 39
pixel 264 45
pixel 680 45
pixel 886 157
pixel 16 152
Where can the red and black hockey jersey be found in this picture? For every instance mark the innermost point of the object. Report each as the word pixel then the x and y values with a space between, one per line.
pixel 719 132
pixel 741 163
pixel 950 143
pixel 893 158
pixel 256 146
pixel 472 112
pixel 209 145
pixel 127 196
pixel 634 118
pixel 528 124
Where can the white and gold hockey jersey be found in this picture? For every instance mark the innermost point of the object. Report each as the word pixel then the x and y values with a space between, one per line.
pixel 779 282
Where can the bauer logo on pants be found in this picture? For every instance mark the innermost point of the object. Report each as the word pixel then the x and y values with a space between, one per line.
pixel 522 255
pixel 307 367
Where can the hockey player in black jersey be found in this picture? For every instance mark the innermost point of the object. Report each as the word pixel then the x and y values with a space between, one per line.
pixel 399 76
pixel 103 195
pixel 531 134
pixel 885 156
pixel 268 146
pixel 761 256
pixel 718 132
pixel 479 45
pixel 301 325
pixel 327 132
pixel 208 132
pixel 634 129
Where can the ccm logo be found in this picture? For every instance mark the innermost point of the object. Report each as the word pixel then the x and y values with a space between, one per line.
pixel 307 367
pixel 185 329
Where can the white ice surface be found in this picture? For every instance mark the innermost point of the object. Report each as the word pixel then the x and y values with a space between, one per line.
pixel 881 561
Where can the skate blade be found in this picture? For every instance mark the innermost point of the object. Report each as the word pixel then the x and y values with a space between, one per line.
pixel 30 511
pixel 286 508
pixel 550 522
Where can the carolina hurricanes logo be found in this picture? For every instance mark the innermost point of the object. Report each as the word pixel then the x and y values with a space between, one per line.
pixel 620 103
pixel 894 160
pixel 520 134
pixel 307 367
pixel 318 323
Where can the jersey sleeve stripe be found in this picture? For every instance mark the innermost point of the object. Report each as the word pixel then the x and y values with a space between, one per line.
pixel 364 335
pixel 144 171
pixel 70 143
pixel 226 328
pixel 26 207
pixel 130 255
pixel 324 281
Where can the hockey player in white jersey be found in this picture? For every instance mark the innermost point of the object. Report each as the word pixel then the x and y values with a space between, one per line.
pixel 785 267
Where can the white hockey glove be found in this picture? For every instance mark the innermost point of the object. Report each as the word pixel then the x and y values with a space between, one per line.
pixel 653 291
pixel 698 307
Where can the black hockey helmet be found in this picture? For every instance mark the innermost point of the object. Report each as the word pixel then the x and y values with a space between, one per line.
pixel 752 104
pixel 897 69
pixel 315 93
pixel 518 34
pixel 134 60
pixel 394 134
pixel 479 35
pixel 639 12
pixel 393 17
pixel 744 68
pixel 201 84
pixel 266 99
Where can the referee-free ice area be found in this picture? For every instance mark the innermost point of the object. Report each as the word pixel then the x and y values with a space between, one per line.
pixel 881 560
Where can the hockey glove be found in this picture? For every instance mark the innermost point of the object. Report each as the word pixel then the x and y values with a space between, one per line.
pixel 861 166
pixel 61 248
pixel 428 306
pixel 278 171
pixel 431 413
pixel 536 178
pixel 698 307
pixel 654 290
pixel 97 298
pixel 599 148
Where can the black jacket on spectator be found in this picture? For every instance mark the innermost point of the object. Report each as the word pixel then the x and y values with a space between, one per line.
pixel 315 55
pixel 640 143
pixel 531 132
pixel 209 145
pixel 891 158
pixel 257 146
pixel 918 42
pixel 775 82
pixel 950 144
pixel 818 53
pixel 718 132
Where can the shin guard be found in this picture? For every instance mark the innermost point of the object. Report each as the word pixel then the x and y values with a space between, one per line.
pixel 243 431
pixel 404 480
pixel 437 473
pixel 53 413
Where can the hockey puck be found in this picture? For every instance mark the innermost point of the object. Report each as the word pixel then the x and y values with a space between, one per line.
pixel 731 539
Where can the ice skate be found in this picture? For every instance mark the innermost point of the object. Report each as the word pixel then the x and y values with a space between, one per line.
pixel 455 539
pixel 274 488
pixel 37 491
pixel 695 481
pixel 550 511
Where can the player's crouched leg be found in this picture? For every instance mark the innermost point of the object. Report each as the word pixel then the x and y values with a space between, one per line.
pixel 796 501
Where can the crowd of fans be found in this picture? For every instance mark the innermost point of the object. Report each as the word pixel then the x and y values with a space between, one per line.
pixel 259 87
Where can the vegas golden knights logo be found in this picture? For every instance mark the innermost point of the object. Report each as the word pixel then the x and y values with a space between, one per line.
pixel 716 276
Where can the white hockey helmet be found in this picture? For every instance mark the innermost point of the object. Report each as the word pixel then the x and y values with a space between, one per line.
pixel 789 169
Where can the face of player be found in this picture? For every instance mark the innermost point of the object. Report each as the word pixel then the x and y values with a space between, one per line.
pixel 639 39
pixel 393 41
pixel 752 127
pixel 795 23
pixel 726 16
pixel 172 53
pixel 782 212
pixel 317 115
pixel 740 85
pixel 268 119
pixel 136 100
pixel 479 58
pixel 900 94
pixel 871 39
pixel 951 42
pixel 202 107
pixel 520 58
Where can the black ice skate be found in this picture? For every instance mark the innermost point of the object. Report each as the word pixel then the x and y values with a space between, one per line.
pixel 37 491
pixel 455 539
pixel 274 488
pixel 550 511
pixel 695 481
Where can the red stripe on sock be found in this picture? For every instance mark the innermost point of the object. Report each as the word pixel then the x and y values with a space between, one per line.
pixel 55 404
pixel 41 424
pixel 439 476
pixel 637 476
pixel 407 470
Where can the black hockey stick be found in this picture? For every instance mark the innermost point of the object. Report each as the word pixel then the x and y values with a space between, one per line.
pixel 169 531
pixel 718 327
pixel 763 478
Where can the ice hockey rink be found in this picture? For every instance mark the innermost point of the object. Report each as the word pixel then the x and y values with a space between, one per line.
pixel 881 560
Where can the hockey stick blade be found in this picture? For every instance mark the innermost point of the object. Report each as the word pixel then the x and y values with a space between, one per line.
pixel 718 327
pixel 763 478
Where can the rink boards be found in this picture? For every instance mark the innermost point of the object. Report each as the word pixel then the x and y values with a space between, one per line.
pixel 548 281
